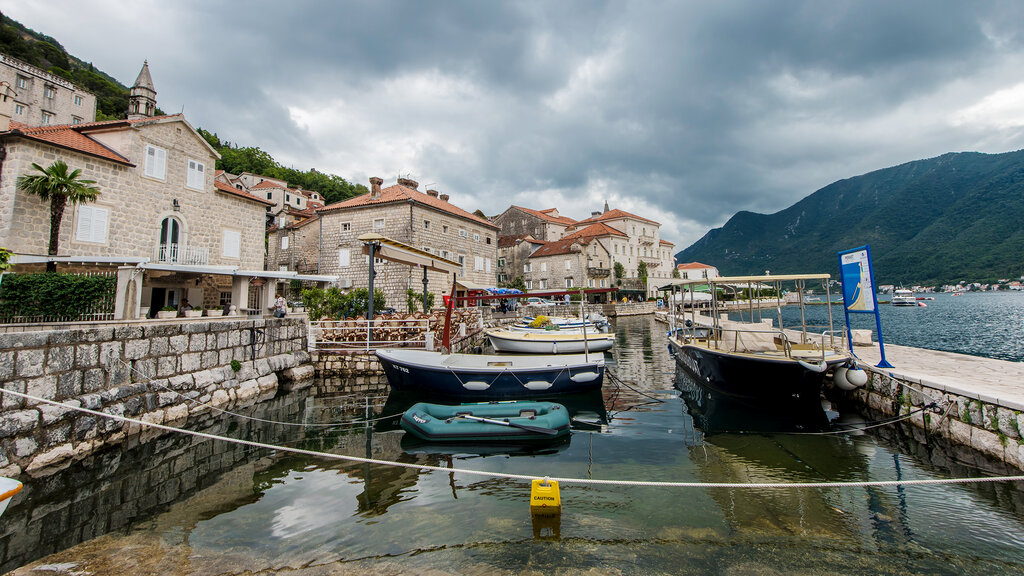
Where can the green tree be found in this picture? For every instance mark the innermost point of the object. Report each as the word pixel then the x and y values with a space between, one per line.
pixel 518 283
pixel 620 271
pixel 675 272
pixel 58 186
pixel 641 272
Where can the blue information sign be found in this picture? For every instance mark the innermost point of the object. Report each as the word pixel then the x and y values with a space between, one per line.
pixel 859 295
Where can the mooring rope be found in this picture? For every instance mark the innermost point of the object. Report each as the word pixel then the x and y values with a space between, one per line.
pixel 523 477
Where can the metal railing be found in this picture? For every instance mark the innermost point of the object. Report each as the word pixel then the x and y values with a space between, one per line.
pixel 99 310
pixel 394 331
pixel 182 254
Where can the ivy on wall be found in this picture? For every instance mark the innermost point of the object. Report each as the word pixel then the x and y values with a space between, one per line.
pixel 66 296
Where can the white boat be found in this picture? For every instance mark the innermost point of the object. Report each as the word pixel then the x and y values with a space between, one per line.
pixel 8 488
pixel 903 297
pixel 549 341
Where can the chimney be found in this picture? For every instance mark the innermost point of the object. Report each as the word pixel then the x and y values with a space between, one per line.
pixel 409 183
pixel 6 106
pixel 595 214
pixel 432 193
pixel 444 197
pixel 375 183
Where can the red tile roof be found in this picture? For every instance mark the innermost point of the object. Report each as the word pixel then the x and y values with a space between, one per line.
pixel 583 236
pixel 595 230
pixel 506 241
pixel 692 266
pixel 229 189
pixel 267 184
pixel 65 136
pixel 666 243
pixel 613 215
pixel 543 215
pixel 400 193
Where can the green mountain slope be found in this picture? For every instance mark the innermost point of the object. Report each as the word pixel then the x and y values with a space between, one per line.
pixel 954 217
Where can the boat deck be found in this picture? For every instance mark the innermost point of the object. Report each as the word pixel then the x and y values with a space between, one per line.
pixel 986 379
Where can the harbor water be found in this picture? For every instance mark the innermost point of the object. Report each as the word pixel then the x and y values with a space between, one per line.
pixel 182 505
pixel 989 324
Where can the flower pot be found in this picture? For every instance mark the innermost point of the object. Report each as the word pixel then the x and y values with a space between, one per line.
pixel 217 312
pixel 193 313
pixel 164 314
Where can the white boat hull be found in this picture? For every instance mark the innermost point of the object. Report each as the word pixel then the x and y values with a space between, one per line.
pixel 531 343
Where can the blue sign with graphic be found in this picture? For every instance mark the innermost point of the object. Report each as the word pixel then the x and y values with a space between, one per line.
pixel 859 296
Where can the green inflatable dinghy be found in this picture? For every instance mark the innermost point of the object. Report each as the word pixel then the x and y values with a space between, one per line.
pixel 487 422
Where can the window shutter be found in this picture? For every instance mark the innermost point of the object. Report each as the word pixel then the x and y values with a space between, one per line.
pixel 232 243
pixel 83 232
pixel 344 257
pixel 488 265
pixel 284 242
pixel 99 225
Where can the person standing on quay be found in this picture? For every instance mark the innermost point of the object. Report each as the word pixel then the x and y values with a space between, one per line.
pixel 280 306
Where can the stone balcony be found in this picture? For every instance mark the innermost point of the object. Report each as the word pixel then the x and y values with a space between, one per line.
pixel 181 254
pixel 647 239
pixel 593 272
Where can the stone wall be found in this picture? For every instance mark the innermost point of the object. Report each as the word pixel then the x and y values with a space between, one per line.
pixel 991 429
pixel 32 96
pixel 154 371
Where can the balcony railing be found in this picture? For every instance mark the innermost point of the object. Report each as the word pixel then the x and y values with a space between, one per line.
pixel 593 272
pixel 647 238
pixel 182 254
pixel 652 261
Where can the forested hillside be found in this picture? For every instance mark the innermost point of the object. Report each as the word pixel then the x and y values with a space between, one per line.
pixel 955 217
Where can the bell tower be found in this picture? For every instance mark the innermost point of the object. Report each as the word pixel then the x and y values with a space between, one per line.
pixel 142 99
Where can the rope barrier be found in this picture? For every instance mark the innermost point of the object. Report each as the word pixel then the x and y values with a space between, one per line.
pixel 523 477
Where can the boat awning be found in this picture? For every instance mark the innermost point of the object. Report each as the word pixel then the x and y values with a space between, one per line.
pixel 286 275
pixel 395 251
pixel 767 279
pixel 696 283
pixel 185 269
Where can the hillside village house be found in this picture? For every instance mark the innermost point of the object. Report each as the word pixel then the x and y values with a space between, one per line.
pixel 426 221
pixel 290 205
pixel 43 99
pixel 607 237
pixel 160 221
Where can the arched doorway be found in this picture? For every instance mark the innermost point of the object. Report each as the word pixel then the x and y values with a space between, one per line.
pixel 170 240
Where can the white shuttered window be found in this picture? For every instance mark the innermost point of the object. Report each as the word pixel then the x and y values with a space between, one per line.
pixel 196 174
pixel 344 257
pixel 156 162
pixel 232 245
pixel 92 224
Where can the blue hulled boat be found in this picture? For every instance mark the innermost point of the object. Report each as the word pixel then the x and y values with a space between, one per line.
pixel 519 421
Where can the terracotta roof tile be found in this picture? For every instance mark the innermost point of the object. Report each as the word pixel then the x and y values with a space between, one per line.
pixel 543 215
pixel 692 266
pixel 506 241
pixel 666 243
pixel 595 230
pixel 229 189
pixel 557 247
pixel 400 193
pixel 612 215
pixel 65 136
pixel 267 184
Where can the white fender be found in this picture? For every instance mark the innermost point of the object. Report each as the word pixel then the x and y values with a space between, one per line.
pixel 857 377
pixel 476 385
pixel 819 367
pixel 538 385
pixel 581 377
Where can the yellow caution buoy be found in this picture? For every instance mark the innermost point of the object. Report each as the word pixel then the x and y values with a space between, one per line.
pixel 544 494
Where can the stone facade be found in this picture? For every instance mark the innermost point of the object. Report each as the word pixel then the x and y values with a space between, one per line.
pixel 424 221
pixel 153 371
pixel 300 252
pixel 41 98
pixel 545 225
pixel 513 255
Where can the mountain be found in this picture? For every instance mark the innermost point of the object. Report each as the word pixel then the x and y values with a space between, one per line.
pixel 955 217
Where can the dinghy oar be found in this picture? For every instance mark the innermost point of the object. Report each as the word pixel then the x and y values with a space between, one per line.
pixel 527 427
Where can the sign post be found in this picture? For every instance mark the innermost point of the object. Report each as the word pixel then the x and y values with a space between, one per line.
pixel 859 295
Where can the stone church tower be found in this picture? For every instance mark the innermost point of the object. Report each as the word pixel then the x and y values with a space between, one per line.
pixel 142 100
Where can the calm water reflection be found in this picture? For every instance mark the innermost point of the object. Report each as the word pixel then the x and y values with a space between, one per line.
pixel 234 510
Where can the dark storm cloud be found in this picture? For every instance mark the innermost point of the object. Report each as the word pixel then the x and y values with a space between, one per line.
pixel 690 110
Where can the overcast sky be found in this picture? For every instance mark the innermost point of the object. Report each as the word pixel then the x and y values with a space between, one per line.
pixel 682 112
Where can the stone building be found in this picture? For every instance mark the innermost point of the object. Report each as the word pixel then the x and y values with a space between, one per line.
pixel 582 258
pixel 291 205
pixel 640 243
pixel 43 99
pixel 513 254
pixel 426 221
pixel 544 225
pixel 161 221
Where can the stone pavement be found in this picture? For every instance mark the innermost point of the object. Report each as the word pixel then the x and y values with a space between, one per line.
pixel 993 381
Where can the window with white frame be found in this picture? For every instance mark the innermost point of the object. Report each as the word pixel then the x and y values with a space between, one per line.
pixel 231 247
pixel 529 284
pixel 284 242
pixel 462 263
pixel 543 266
pixel 22 82
pixel 346 226
pixel 476 237
pixel 487 265
pixel 501 262
pixel 463 233
pixel 426 224
pixel 92 224
pixel 344 257
pixel 49 91
pixel 542 284
pixel 19 109
pixel 76 120
pixel 47 118
pixel 568 282
pixel 528 267
pixel 156 162
pixel 378 225
pixel 78 100
pixel 568 264
pixel 478 263
pixel 282 268
pixel 195 177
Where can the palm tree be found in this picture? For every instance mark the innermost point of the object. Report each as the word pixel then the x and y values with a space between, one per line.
pixel 55 184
